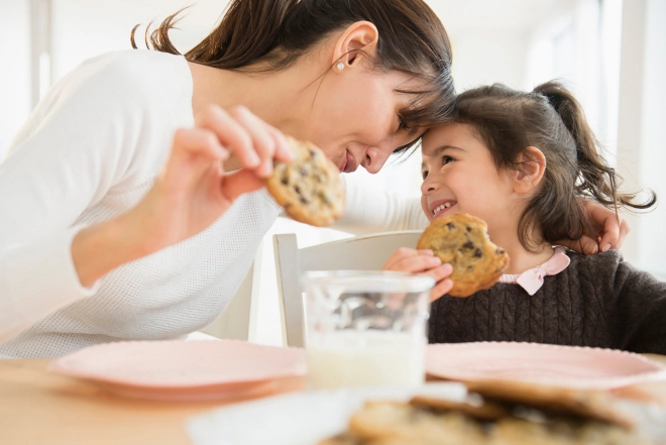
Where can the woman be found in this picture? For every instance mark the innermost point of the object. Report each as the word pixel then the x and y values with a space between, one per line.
pixel 133 199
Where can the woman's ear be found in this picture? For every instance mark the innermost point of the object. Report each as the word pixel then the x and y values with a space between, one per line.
pixel 359 37
pixel 531 166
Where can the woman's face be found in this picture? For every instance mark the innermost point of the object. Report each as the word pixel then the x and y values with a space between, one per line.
pixel 460 176
pixel 355 116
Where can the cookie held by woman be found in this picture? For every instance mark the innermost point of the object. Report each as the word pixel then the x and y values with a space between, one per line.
pixel 309 187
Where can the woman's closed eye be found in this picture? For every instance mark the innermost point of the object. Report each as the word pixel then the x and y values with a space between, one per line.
pixel 402 125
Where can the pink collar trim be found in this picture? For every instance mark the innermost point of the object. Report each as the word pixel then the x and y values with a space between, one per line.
pixel 532 279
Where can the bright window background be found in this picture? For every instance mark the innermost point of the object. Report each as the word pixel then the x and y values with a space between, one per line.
pixel 611 53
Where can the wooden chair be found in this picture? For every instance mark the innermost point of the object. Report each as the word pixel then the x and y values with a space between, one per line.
pixel 367 252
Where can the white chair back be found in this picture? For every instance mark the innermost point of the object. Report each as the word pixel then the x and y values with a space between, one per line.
pixel 368 252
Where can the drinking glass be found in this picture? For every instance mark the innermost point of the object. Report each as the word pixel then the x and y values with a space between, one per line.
pixel 366 328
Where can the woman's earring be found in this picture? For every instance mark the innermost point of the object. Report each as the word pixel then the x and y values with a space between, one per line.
pixel 339 66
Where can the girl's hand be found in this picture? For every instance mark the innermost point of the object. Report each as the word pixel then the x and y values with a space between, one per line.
pixel 610 231
pixel 425 262
pixel 193 189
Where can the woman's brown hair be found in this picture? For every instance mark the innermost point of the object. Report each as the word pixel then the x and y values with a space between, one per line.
pixel 269 35
pixel 551 119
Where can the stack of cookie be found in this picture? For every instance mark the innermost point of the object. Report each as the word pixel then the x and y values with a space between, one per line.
pixel 503 413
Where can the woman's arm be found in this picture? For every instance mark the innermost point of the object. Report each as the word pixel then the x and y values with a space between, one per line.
pixel 369 210
pixel 84 139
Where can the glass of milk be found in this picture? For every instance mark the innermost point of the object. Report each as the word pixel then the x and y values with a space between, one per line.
pixel 366 328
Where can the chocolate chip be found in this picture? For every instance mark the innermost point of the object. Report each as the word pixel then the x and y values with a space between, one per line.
pixel 499 251
pixel 478 253
pixel 468 245
pixel 285 181
pixel 469 229
pixel 313 154
pixel 303 200
pixel 470 268
pixel 303 171
pixel 451 226
pixel 297 189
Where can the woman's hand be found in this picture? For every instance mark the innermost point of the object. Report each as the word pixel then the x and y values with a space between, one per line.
pixel 610 231
pixel 425 262
pixel 191 192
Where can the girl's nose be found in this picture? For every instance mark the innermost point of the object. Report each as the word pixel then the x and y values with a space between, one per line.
pixel 429 185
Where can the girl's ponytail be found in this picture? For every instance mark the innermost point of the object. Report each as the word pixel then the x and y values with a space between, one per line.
pixel 596 180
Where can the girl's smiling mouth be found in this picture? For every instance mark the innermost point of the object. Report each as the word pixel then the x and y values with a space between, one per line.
pixel 439 208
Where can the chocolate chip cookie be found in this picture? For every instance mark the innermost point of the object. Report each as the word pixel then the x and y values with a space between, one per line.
pixel 462 240
pixel 309 187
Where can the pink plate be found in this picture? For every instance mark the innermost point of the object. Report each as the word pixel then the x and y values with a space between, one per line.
pixel 563 366
pixel 185 370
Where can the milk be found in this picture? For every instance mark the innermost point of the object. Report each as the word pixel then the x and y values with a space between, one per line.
pixel 366 358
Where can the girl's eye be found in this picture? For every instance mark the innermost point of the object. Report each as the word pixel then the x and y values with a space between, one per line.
pixel 447 159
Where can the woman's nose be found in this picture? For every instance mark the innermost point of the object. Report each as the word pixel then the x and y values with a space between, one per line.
pixel 375 158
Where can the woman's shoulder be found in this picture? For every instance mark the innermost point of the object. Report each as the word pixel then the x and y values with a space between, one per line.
pixel 129 72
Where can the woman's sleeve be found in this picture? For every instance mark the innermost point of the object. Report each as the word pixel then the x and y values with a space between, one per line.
pixel 63 161
pixel 369 210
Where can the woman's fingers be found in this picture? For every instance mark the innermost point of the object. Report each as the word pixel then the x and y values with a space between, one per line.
pixel 201 142
pixel 611 229
pixel 282 152
pixel 262 140
pixel 237 183
pixel 613 233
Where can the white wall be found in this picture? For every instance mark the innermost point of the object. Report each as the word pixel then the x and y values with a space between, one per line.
pixel 650 235
pixel 14 68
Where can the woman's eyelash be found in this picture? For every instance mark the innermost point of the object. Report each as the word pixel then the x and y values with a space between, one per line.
pixel 402 125
pixel 424 173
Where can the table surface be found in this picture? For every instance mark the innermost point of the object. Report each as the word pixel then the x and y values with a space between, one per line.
pixel 39 407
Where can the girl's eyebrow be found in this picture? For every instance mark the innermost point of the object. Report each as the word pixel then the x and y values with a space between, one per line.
pixel 441 148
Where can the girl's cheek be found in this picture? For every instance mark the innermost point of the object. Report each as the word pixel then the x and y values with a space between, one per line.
pixel 424 207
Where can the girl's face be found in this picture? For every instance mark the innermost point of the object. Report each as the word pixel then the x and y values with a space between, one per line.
pixel 459 175
pixel 355 117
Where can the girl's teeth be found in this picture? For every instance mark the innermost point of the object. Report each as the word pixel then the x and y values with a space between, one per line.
pixel 442 207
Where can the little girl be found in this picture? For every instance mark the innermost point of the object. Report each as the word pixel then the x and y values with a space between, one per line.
pixel 522 161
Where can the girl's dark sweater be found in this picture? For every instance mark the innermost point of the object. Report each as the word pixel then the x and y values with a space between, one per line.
pixel 598 301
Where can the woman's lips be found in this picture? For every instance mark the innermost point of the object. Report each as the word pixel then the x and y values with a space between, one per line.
pixel 348 163
pixel 343 164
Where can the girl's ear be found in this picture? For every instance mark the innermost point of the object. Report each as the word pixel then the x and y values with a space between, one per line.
pixel 531 168
pixel 359 36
